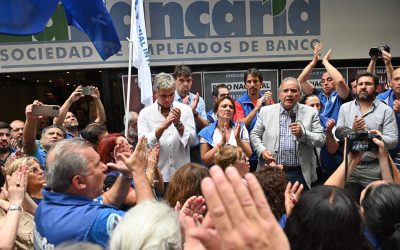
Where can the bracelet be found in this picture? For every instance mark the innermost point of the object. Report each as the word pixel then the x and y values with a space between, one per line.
pixel 127 178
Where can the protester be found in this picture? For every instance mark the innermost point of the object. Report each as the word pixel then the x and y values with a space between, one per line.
pixel 68 120
pixel 50 135
pixel 367 114
pixel 9 225
pixel 36 179
pixel 334 92
pixel 248 105
pixel 286 133
pixel 325 218
pixel 74 178
pixel 230 155
pixel 169 124
pixel 223 132
pixel 219 91
pixel 185 182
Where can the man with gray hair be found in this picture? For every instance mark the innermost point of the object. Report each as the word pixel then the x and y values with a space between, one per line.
pixel 132 128
pixel 72 209
pixel 285 134
pixel 170 124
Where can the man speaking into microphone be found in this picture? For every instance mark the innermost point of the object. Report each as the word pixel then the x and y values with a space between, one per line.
pixel 285 134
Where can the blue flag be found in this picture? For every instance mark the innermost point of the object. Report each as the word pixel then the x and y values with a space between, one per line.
pixel 29 17
pixel 93 18
pixel 25 17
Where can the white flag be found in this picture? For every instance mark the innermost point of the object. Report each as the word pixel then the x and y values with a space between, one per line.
pixel 140 52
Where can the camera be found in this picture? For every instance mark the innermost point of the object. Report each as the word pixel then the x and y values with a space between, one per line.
pixel 358 141
pixel 377 51
pixel 86 90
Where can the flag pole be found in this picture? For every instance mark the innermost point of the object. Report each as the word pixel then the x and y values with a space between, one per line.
pixel 128 94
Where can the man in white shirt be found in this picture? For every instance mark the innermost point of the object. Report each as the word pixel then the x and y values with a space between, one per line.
pixel 170 124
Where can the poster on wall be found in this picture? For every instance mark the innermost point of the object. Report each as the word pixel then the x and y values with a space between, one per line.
pixel 136 105
pixel 235 82
pixel 315 77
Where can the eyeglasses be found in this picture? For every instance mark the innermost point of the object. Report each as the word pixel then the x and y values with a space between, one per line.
pixel 243 159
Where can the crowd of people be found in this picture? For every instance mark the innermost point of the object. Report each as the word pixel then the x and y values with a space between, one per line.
pixel 314 169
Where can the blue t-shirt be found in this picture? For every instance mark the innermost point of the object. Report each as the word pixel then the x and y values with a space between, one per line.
pixel 104 225
pixel 330 106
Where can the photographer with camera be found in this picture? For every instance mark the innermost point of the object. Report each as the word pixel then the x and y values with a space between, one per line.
pixel 68 120
pixel 364 114
pixel 354 158
pixel 384 53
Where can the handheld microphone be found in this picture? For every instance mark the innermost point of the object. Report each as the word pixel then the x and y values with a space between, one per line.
pixel 293 117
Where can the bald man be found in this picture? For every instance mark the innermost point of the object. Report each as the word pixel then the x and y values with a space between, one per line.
pixel 392 98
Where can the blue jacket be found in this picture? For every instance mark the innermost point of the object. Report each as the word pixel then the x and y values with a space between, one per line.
pixel 388 97
pixel 208 132
pixel 248 106
pixel 64 217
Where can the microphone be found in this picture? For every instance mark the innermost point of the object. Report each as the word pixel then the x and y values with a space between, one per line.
pixel 293 117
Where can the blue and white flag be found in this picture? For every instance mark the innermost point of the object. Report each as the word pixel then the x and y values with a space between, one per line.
pixel 29 17
pixel 140 52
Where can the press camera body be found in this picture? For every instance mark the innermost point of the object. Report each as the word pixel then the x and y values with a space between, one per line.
pixel 358 141
pixel 377 51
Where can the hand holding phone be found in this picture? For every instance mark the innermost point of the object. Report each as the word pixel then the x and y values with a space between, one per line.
pixel 46 110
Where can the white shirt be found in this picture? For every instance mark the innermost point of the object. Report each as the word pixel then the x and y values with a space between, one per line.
pixel 174 149
pixel 217 137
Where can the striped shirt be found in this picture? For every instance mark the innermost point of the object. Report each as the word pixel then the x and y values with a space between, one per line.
pixel 288 149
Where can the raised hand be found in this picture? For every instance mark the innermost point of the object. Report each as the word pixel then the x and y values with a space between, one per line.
pixel 327 57
pixel 195 102
pixel 137 162
pixel 119 165
pixel 17 183
pixel 358 124
pixel 317 52
pixel 95 92
pixel 76 95
pixel 268 98
pixel 28 110
pixel 240 213
pixel 292 195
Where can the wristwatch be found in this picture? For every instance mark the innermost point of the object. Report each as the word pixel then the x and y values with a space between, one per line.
pixel 14 207
pixel 179 125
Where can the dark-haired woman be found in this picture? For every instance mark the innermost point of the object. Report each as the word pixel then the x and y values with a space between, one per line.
pixel 223 131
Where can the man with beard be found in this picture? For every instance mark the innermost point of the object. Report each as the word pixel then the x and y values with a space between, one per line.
pixel 5 149
pixel 249 104
pixel 50 135
pixel 368 114
pixel 132 128
pixel 68 120
pixel 335 90
pixel 17 129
